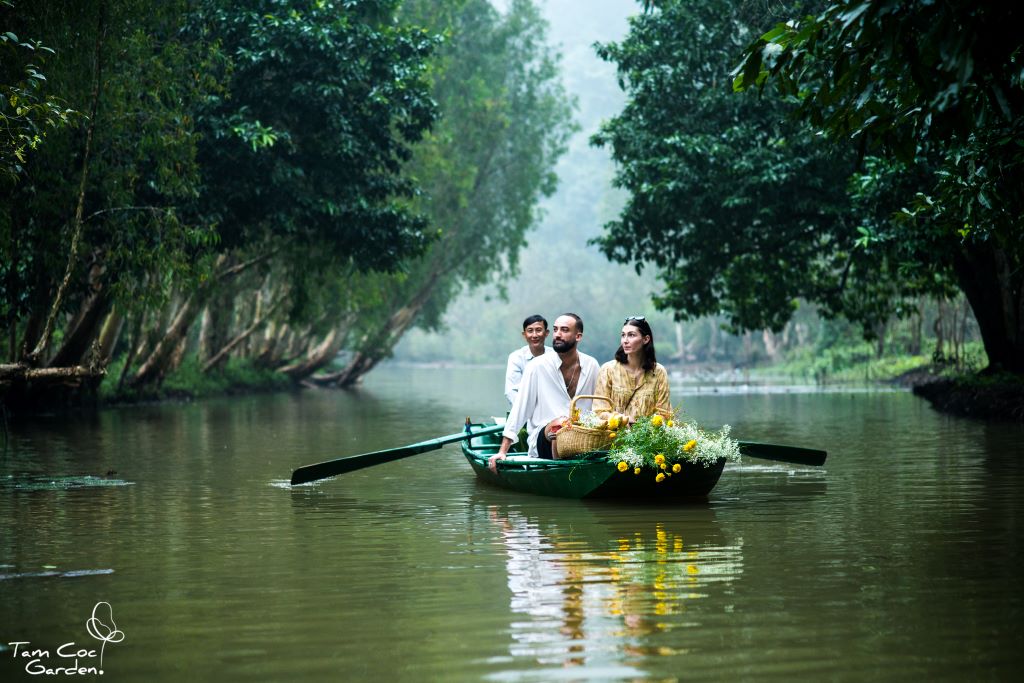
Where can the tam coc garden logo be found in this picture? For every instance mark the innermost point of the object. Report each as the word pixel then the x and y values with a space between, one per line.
pixel 72 658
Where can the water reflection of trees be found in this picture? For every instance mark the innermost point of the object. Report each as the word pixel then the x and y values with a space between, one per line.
pixel 610 586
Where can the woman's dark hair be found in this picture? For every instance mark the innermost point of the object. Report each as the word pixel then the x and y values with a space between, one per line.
pixel 649 358
pixel 535 319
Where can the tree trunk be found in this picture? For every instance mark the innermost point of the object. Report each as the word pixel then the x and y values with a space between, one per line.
pixel 161 359
pixel 76 234
pixel 174 362
pixel 156 366
pixel 319 357
pixel 32 330
pixel 216 326
pixel 109 335
pixel 93 311
pixel 995 291
pixel 937 327
pixel 881 329
pixel 915 329
pixel 357 367
pixel 135 341
pixel 962 336
pixel 29 389
pixel 385 338
pixel 222 354
pixel 771 345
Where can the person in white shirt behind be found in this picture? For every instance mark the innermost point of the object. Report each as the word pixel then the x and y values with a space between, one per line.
pixel 549 383
pixel 535 331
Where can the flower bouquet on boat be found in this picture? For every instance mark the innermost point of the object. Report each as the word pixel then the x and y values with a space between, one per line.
pixel 660 447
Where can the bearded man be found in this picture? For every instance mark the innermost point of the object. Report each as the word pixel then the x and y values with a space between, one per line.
pixel 549 384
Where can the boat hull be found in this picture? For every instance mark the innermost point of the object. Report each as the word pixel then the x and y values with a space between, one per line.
pixel 591 476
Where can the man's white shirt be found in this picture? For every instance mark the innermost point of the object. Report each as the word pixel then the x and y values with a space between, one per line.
pixel 542 396
pixel 517 361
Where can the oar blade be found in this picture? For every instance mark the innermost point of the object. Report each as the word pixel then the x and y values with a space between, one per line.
pixel 332 468
pixel 791 454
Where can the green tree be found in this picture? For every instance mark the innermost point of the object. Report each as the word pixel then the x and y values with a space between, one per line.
pixel 505 119
pixel 741 209
pixel 260 144
pixel 307 145
pixel 27 110
pixel 938 87
pixel 92 215
pixel 302 156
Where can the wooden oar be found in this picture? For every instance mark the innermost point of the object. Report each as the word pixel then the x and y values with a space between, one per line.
pixel 332 468
pixel 791 454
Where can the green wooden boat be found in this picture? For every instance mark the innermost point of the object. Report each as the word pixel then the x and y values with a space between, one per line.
pixel 590 476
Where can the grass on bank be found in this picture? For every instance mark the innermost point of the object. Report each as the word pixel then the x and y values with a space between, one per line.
pixel 858 362
pixel 238 375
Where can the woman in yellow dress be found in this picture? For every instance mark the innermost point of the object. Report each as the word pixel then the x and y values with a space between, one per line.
pixel 635 381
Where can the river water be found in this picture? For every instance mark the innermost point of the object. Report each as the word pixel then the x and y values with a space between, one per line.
pixel 901 559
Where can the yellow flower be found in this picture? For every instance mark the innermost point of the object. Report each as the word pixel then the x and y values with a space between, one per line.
pixel 676 468
pixel 613 422
pixel 660 478
pixel 659 458
pixel 662 465
pixel 612 435
pixel 622 466
pixel 669 423
pixel 657 420
pixel 690 445
pixel 636 470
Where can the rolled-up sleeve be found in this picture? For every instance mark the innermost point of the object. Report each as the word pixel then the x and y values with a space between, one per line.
pixel 524 403
pixel 513 376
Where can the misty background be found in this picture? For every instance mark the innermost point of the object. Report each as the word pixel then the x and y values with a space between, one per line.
pixel 559 271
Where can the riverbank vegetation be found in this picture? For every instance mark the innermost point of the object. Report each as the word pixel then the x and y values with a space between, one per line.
pixel 195 189
pixel 204 196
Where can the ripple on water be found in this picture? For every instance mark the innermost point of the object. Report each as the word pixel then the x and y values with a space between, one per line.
pixel 64 483
pixel 49 573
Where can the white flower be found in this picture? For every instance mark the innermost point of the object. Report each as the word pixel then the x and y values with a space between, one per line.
pixel 591 420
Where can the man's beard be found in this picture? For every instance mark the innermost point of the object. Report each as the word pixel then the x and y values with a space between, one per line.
pixel 561 345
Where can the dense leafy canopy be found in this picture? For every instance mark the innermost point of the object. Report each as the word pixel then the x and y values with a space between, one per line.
pixel 307 144
pixel 742 210
pixel 742 205
pixel 27 109
pixel 912 80
pixel 938 87
pixel 140 164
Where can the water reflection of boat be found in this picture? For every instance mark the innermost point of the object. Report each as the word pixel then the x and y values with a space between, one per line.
pixel 590 477
pixel 603 586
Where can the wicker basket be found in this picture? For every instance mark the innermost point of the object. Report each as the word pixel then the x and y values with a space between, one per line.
pixel 574 439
